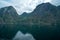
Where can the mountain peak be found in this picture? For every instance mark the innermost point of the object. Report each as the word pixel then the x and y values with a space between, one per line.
pixel 8 7
pixel 45 4
pixel 45 7
pixel 24 14
pixel 8 10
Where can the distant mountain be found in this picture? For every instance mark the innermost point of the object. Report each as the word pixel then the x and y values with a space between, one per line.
pixel 43 8
pixel 44 13
pixel 8 15
pixel 58 9
pixel 24 15
pixel 43 23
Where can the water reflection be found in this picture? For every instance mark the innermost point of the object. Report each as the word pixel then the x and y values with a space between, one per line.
pixel 20 36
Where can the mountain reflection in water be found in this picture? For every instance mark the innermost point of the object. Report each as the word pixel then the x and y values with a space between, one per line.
pixel 20 36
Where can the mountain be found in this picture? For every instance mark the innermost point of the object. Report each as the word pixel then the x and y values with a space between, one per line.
pixel 24 15
pixel 58 9
pixel 44 14
pixel 8 15
pixel 43 23
pixel 43 8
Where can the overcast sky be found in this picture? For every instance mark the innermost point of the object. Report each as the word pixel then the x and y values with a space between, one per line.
pixel 25 5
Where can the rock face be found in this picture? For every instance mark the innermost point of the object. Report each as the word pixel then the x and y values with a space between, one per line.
pixel 43 23
pixel 45 8
pixel 8 15
pixel 44 14
pixel 21 36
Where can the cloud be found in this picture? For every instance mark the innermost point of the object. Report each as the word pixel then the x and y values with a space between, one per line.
pixel 55 2
pixel 4 3
pixel 47 1
pixel 25 5
pixel 21 5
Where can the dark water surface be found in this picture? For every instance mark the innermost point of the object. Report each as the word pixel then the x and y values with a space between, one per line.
pixel 8 31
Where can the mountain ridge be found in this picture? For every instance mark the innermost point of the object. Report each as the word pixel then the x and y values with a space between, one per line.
pixel 44 14
pixel 43 23
pixel 8 15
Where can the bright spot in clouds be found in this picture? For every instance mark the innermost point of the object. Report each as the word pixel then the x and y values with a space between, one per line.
pixel 23 5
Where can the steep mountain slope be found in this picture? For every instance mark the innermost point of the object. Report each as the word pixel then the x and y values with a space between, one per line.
pixel 35 22
pixel 24 15
pixel 8 15
pixel 44 14
pixel 58 9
